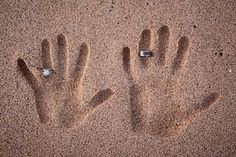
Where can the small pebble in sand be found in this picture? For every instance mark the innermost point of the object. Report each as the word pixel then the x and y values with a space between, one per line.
pixel 47 72
pixel 145 53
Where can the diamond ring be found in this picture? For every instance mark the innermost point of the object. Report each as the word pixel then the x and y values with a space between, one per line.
pixel 47 72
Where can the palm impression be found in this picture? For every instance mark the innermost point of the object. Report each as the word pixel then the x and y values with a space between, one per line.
pixel 155 106
pixel 58 90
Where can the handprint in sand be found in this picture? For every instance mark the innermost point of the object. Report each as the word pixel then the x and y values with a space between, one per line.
pixel 154 103
pixel 59 95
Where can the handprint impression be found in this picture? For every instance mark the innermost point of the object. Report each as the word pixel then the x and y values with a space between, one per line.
pixel 59 96
pixel 155 108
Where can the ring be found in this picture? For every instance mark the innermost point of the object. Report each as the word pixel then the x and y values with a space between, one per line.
pixel 47 72
pixel 145 53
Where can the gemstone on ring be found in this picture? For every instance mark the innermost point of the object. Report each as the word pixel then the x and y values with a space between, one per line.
pixel 47 72
pixel 145 53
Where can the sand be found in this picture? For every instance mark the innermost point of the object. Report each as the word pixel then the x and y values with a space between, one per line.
pixel 100 97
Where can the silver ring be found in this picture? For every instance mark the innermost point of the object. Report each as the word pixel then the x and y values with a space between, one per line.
pixel 145 53
pixel 47 72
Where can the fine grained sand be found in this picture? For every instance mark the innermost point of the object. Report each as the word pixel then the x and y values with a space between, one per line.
pixel 102 99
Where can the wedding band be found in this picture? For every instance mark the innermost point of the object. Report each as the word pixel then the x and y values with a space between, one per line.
pixel 145 53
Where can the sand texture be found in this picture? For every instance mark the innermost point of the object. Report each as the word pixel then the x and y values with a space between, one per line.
pixel 100 98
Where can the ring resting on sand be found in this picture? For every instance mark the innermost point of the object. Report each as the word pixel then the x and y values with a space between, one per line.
pixel 145 53
pixel 47 72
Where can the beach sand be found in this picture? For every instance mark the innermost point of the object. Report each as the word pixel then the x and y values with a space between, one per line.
pixel 100 97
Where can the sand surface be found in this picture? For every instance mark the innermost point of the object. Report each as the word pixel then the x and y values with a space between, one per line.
pixel 102 98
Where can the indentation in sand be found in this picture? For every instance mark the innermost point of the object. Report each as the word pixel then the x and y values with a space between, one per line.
pixel 46 57
pixel 154 106
pixel 145 41
pixel 145 44
pixel 182 52
pixel 163 39
pixel 58 97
